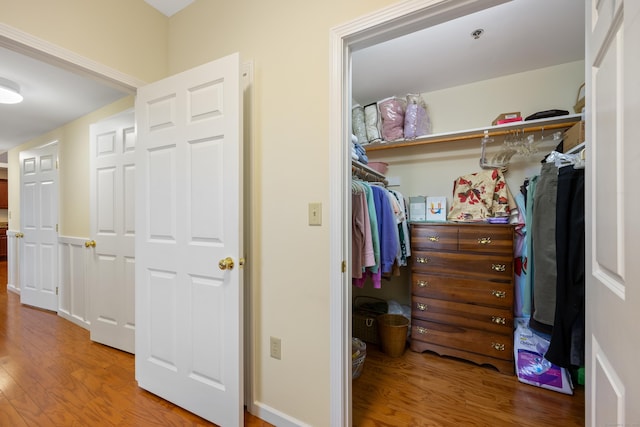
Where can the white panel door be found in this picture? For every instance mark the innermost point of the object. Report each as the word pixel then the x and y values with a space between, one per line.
pixel 39 223
pixel 188 218
pixel 112 188
pixel 612 206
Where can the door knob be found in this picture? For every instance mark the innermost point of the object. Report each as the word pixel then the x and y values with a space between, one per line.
pixel 90 244
pixel 19 235
pixel 226 264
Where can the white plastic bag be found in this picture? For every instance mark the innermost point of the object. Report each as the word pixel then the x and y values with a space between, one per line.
pixel 531 366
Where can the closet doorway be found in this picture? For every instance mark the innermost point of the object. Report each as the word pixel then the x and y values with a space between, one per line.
pixel 368 31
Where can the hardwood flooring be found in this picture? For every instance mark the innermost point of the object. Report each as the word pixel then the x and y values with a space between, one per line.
pixel 424 389
pixel 51 374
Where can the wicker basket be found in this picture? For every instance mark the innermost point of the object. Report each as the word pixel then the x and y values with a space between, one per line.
pixel 364 319
pixel 393 333
pixel 358 354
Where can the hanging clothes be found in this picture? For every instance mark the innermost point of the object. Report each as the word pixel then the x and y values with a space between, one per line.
pixel 362 244
pixel 380 241
pixel 403 229
pixel 544 249
pixel 566 346
pixel 522 307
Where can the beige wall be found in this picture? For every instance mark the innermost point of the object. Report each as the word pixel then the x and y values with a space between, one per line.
pixel 128 35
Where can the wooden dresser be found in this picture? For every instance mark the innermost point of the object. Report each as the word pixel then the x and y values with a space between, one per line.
pixel 462 292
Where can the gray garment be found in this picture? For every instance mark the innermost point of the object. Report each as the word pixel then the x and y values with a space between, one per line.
pixel 543 235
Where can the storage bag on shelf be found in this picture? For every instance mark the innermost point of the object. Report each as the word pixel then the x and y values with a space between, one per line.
pixel 371 121
pixel 392 118
pixel 357 123
pixel 416 117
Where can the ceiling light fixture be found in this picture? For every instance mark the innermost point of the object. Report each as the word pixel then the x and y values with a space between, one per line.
pixel 9 92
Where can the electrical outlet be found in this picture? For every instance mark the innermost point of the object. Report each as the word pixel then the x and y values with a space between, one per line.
pixel 276 351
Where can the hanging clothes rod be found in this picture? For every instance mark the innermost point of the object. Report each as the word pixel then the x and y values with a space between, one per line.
pixel 365 173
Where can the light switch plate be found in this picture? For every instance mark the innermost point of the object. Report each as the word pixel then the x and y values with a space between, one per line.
pixel 315 213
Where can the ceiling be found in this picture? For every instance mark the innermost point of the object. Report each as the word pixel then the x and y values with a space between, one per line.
pixel 519 35
pixel 52 98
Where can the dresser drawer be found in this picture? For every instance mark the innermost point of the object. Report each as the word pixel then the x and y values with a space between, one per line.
pixel 495 239
pixel 486 266
pixel 492 319
pixel 468 291
pixel 435 237
pixel 472 340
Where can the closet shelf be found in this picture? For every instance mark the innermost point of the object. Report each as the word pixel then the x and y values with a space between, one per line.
pixel 538 127
pixel 364 172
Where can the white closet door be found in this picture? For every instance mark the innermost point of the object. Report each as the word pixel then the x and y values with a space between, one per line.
pixel 612 206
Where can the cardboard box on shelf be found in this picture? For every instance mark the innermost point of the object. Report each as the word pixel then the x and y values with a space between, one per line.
pixel 573 136
pixel 507 118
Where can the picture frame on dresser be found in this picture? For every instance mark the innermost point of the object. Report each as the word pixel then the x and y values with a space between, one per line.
pixel 436 209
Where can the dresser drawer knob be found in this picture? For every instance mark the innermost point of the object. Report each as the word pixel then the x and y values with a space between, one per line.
pixel 433 238
pixel 422 260
pixel 422 284
pixel 499 267
pixel 497 346
pixel 421 306
pixel 499 294
pixel 484 240
pixel 421 330
pixel 499 320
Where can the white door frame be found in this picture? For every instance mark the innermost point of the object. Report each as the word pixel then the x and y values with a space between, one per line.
pixel 394 21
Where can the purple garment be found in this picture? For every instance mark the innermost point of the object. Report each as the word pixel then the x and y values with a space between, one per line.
pixel 376 278
pixel 387 229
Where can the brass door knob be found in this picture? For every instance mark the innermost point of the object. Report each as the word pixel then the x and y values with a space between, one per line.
pixel 226 264
pixel 19 235
pixel 90 244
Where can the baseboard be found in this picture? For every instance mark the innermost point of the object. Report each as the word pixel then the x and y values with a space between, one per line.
pixel 74 319
pixel 275 417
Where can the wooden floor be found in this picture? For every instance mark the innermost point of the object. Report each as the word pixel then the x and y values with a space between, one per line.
pixel 428 390
pixel 51 374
